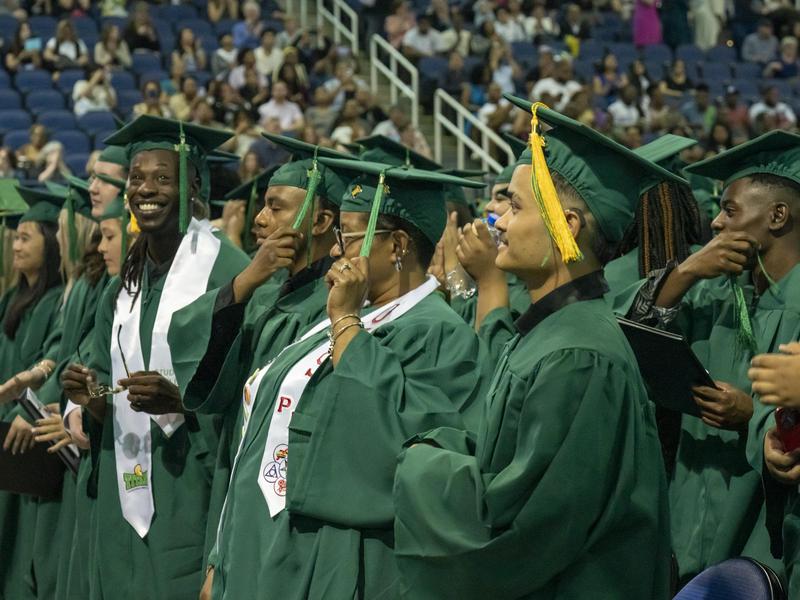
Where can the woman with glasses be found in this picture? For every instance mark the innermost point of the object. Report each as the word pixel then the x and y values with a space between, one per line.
pixel 28 313
pixel 391 359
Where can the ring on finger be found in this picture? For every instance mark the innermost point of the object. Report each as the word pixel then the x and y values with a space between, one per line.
pixel 344 267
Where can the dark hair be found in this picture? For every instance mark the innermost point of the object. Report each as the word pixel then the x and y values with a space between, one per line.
pixel 784 184
pixel 423 248
pixel 92 264
pixel 667 223
pixel 701 87
pixel 18 45
pixel 50 276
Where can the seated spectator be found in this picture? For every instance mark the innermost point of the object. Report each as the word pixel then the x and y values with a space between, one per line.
pixel 540 27
pixel 699 112
pixel 625 110
pixel 112 8
pixel 496 111
pixel 545 64
pixel 269 154
pixel 250 166
pixel 349 126
pixel 41 159
pixel 320 115
pixel 290 34
pixel 203 114
pixel 677 82
pixel 247 32
pixel 69 8
pixel 657 114
pixel 761 46
pixel 439 12
pixel 344 83
pixel 638 77
pixel 140 34
pixel 506 27
pixel 779 114
pixel 8 164
pixel 411 137
pixel 484 39
pixel 298 88
pixel 65 50
pixel 609 80
pixel 189 51
pixel 454 79
pixel 456 38
pixel 111 50
pixel 736 116
pixel 397 121
pixel 371 111
pixel 483 11
pixel 280 107
pixel 227 104
pixel 560 87
pixel 505 70
pixel 25 51
pixel 719 139
pixel 574 24
pixel 786 66
pixel 291 60
pixel 224 57
pixel 154 101
pixel 94 92
pixel 399 22
pixel 254 92
pixel 421 40
pixel 245 133
pixel 631 137
pixel 222 9
pixel 182 104
pixel 246 61
pixel 268 55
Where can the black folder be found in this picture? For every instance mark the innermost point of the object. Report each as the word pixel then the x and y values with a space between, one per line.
pixel 31 404
pixel 668 366
pixel 35 473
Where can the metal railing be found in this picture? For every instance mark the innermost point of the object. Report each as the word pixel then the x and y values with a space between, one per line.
pixel 386 60
pixel 299 10
pixel 331 11
pixel 484 134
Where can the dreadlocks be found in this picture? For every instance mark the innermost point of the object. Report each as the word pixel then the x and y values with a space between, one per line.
pixel 667 224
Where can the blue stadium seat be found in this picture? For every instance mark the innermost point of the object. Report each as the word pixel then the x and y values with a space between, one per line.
pixel 14 118
pixel 603 33
pixel 76 162
pixel 591 50
pixel 624 51
pixel 99 137
pixel 715 71
pixel 68 78
pixel 176 12
pixel 123 80
pixel 16 138
pixel 202 78
pixel 146 61
pixel 5 79
pixel 656 68
pixel 56 120
pixel 90 38
pixel 734 579
pixel 200 27
pixel 8 27
pixel 10 99
pixel 35 79
pixel 120 22
pixel 126 99
pixel 84 26
pixel 74 140
pixel 689 52
pixel 744 70
pixel 584 70
pixel 748 88
pixel 42 100
pixel 224 26
pixel 660 52
pixel 159 75
pixel 43 26
pixel 209 43
pixel 523 51
pixel 721 54
pixel 97 120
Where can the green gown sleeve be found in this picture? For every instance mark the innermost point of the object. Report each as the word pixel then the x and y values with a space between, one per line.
pixel 386 387
pixel 496 331
pixel 460 532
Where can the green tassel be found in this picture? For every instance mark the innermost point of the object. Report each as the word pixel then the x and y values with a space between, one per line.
pixel 72 231
pixel 248 241
pixel 3 248
pixel 124 221
pixel 745 340
pixel 369 236
pixel 314 177
pixel 183 175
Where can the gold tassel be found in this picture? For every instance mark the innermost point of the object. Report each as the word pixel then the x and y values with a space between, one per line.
pixel 545 193
pixel 134 224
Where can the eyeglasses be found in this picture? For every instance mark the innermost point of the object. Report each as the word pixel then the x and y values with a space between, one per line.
pixel 341 237
pixel 99 390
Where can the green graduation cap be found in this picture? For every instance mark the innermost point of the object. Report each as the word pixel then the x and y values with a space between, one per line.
pixel 608 177
pixel 116 210
pixel 250 190
pixel 664 149
pixel 114 154
pixel 193 143
pixel 11 202
pixel 414 195
pixel 45 206
pixel 518 147
pixel 381 149
pixel 774 153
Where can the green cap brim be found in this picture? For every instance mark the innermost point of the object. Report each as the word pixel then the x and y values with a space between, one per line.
pixel 381 149
pixel 665 148
pixel 45 206
pixel 518 146
pixel 301 150
pixel 11 202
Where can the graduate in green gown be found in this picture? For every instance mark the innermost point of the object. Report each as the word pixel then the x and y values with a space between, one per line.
pixel 668 225
pixel 28 313
pixel 561 494
pixel 735 297
pixel 153 459
pixel 268 304
pixel 342 399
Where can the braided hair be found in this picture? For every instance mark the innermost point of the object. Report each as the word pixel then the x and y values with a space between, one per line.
pixel 667 223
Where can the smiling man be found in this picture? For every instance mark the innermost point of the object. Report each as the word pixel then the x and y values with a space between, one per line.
pixel 154 459
pixel 561 494
pixel 735 297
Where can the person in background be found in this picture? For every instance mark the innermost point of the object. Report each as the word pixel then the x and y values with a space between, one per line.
pixel 574 24
pixel 154 101
pixel 25 51
pixel 646 23
pixel 399 22
pixel 638 76
pixel 247 32
pixel 182 105
pixel 456 38
pixel 224 58
pixel 111 50
pixel 344 84
pixel 40 158
pixel 293 73
pixel 222 9
pixel 246 63
pixel 421 40
pixel 189 51
pixel 781 114
pixel 269 56
pixel 735 112
pixel 250 166
pixel 677 81
pixel 280 107
pixel 320 115
pixel 507 28
pixel 559 87
pixel 290 34
pixel 761 46
pixel 786 66
pixel 540 26
pixel 140 33
pixel 349 126
pixel 608 81
pixel 626 110
pixel 94 93
pixel 700 112
pixel 8 165
pixel 65 50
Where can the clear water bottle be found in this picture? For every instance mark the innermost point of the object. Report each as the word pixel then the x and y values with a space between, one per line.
pixel 490 220
pixel 460 283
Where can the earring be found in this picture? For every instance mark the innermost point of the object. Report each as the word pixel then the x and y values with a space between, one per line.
pixel 398 264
